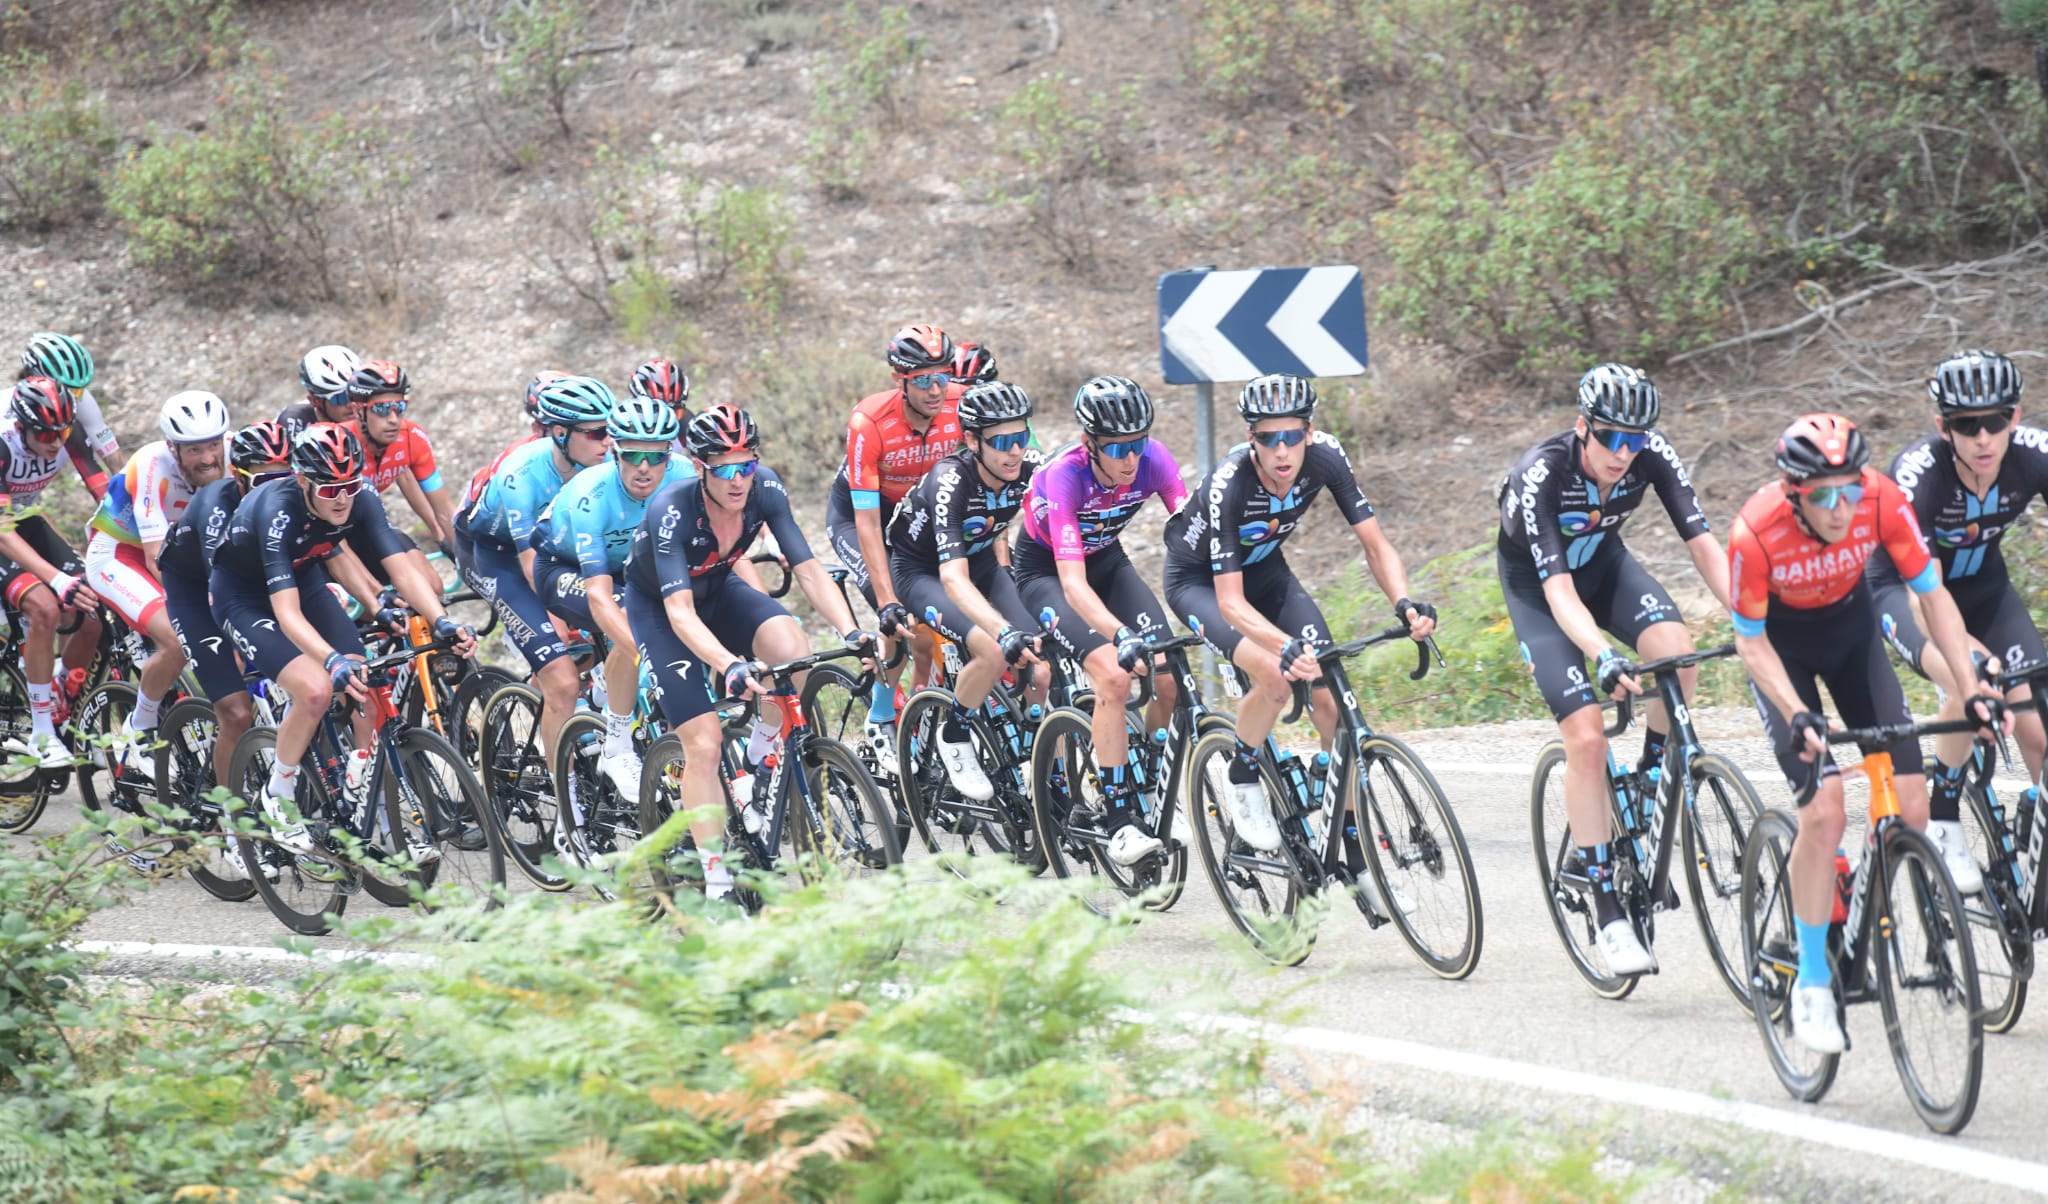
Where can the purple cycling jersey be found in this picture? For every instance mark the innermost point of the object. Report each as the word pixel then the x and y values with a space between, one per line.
pixel 1075 515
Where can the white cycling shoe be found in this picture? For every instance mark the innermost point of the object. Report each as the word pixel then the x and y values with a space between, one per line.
pixel 1370 889
pixel 881 739
pixel 1131 844
pixel 963 767
pixel 1622 952
pixel 623 771
pixel 48 749
pixel 1814 1020
pixel 1251 818
pixel 290 833
pixel 1947 835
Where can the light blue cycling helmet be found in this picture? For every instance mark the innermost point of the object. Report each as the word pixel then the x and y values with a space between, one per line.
pixel 575 401
pixel 643 419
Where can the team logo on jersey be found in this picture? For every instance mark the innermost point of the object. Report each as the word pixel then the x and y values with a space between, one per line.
pixel 1253 533
pixel 1578 522
pixel 975 526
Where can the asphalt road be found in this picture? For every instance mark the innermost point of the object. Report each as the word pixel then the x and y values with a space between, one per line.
pixel 1674 1075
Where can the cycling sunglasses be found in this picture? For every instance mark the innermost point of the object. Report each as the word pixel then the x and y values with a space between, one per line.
pixel 1616 440
pixel 1970 426
pixel 338 490
pixel 1291 438
pixel 264 478
pixel 1014 441
pixel 732 472
pixel 1827 497
pixel 1128 447
pixel 385 409
pixel 592 432
pixel 929 380
pixel 644 459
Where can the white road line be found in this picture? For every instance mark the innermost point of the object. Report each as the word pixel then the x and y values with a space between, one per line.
pixel 2007 787
pixel 1946 1156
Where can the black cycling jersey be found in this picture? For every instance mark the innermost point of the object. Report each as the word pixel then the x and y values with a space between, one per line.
pixel 273 535
pixel 951 513
pixel 1964 530
pixel 189 547
pixel 1553 517
pixel 1232 500
pixel 674 549
pixel 297 417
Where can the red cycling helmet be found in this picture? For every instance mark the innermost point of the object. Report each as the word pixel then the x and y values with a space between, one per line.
pixel 533 387
pixel 919 348
pixel 41 404
pixel 1821 445
pixel 374 378
pixel 973 363
pixel 660 380
pixel 721 429
pixel 327 454
pixel 259 445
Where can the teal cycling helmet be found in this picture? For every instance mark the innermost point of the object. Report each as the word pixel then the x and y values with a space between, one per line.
pixel 575 401
pixel 643 420
pixel 59 357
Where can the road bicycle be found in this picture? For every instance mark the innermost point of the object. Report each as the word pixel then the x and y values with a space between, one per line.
pixel 1695 800
pixel 1900 936
pixel 2011 912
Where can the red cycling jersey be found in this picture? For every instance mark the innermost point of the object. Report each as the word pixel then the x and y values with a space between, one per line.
pixel 885 455
pixel 411 450
pixel 1771 554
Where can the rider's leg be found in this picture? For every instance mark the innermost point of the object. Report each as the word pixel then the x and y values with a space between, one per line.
pixel 704 796
pixel 311 689
pixel 233 715
pixel 558 683
pixel 40 610
pixel 1656 642
pixel 159 672
pixel 1812 872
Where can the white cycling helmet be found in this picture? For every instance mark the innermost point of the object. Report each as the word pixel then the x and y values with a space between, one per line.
pixel 194 416
pixel 327 370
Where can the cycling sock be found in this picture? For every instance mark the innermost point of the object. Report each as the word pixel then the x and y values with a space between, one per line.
pixel 143 717
pixel 717 879
pixel 1244 767
pixel 618 735
pixel 1600 872
pixel 953 731
pixel 42 707
pixel 1945 800
pixel 1116 794
pixel 1813 954
pixel 1653 751
pixel 881 704
pixel 284 781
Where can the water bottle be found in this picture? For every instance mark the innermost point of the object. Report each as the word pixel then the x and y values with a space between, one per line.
pixel 597 695
pixel 1845 885
pixel 1319 777
pixel 1295 776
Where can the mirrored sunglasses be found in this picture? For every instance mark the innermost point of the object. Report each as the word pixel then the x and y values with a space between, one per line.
pixel 732 472
pixel 1291 438
pixel 1827 497
pixel 1616 440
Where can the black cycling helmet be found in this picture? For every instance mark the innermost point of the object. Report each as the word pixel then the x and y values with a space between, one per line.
pixel 1277 395
pixel 260 445
pixel 41 404
pixel 662 381
pixel 1975 380
pixel 1619 395
pixel 722 429
pixel 918 349
pixel 973 363
pixel 993 404
pixel 327 453
pixel 1821 445
pixel 1108 407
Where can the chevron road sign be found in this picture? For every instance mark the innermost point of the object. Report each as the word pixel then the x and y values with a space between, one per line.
pixel 1234 325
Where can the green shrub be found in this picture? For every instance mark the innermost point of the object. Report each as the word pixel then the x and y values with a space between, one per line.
pixel 1062 154
pixel 254 196
pixel 539 64
pixel 863 95
pixel 159 41
pixel 55 141
pixel 2030 17
pixel 1307 52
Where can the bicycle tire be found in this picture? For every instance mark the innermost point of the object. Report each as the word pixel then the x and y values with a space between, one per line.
pixel 302 904
pixel 1062 760
pixel 1713 828
pixel 676 867
pixel 578 747
pixel 937 814
pixel 101 713
pixel 1015 831
pixel 1273 919
pixel 1569 904
pixel 467 707
pixel 1999 918
pixel 518 781
pixel 1929 897
pixel 832 701
pixel 437 804
pixel 1770 953
pixel 1437 849
pixel 24 790
pixel 184 760
pixel 857 836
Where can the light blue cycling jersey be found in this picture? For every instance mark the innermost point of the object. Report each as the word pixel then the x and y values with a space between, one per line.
pixel 511 502
pixel 591 522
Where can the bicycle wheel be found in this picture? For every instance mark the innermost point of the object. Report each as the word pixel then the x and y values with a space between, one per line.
pixel 518 783
pixel 433 799
pixel 100 714
pixel 302 904
pixel 1716 820
pixel 24 789
pixel 466 709
pixel 1014 830
pixel 1072 820
pixel 674 866
pixel 1260 891
pixel 2000 927
pixel 587 792
pixel 1927 976
pixel 837 708
pixel 1417 855
pixel 1770 953
pixel 1567 892
pixel 944 825
pixel 184 777
pixel 854 834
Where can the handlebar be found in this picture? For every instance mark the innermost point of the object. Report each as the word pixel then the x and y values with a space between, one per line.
pixel 1870 737
pixel 1330 654
pixel 1624 710
pixel 788 578
pixel 789 669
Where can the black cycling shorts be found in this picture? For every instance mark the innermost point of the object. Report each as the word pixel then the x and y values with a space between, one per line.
pixel 1837 645
pixel 498 580
pixel 206 645
pixel 249 619
pixel 561 590
pixel 1992 612
pixel 924 595
pixel 684 686
pixel 1269 586
pixel 845 539
pixel 1619 593
pixel 16 580
pixel 1114 579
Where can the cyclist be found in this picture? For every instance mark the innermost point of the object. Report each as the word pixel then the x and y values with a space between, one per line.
pixel 533 388
pixel 325 372
pixel 949 560
pixel 973 364
pixel 892 441
pixel 66 361
pixel 1969 482
pixel 128 533
pixel 580 547
pixel 662 381
pixel 1228 581
pixel 492 533
pixel 40 573
pixel 1070 560
pixel 258 453
pixel 287 541
pixel 397 450
pixel 693 617
pixel 1803 615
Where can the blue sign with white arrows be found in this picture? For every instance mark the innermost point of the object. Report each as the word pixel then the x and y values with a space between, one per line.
pixel 1235 325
